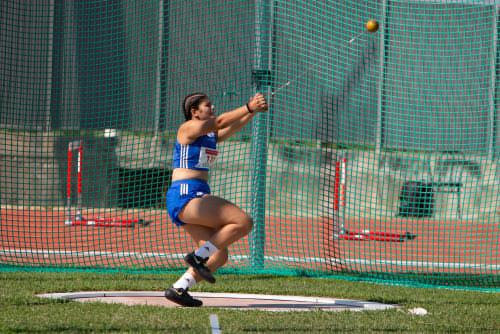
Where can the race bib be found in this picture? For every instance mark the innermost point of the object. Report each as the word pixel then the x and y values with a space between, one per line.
pixel 207 157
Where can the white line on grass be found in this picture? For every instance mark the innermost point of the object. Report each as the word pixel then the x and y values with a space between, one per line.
pixel 214 324
pixel 173 256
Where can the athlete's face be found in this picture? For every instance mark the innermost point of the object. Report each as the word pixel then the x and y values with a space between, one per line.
pixel 206 110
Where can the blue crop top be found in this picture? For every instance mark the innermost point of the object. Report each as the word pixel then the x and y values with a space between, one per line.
pixel 199 155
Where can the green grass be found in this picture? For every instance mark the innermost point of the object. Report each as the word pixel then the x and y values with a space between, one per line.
pixel 450 311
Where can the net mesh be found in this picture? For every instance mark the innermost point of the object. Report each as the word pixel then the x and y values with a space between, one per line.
pixel 377 159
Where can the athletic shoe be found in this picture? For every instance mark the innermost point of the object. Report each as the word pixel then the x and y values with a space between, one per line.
pixel 198 264
pixel 182 297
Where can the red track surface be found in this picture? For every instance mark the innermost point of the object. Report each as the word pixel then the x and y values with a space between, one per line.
pixel 40 237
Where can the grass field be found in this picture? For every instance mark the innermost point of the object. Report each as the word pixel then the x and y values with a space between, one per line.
pixel 450 311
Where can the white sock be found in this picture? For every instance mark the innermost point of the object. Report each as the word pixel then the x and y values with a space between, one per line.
pixel 206 250
pixel 185 282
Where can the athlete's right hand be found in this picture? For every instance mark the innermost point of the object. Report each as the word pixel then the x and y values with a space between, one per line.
pixel 258 103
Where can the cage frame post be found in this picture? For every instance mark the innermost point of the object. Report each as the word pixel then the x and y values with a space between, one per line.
pixel 261 64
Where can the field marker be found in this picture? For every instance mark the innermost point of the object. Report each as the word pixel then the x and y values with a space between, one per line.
pixel 214 324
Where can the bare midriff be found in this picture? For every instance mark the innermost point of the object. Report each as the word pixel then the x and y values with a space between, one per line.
pixel 184 173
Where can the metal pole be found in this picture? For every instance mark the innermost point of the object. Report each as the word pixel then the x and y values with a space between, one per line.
pixel 491 94
pixel 69 219
pixel 380 89
pixel 70 95
pixel 155 140
pixel 158 68
pixel 48 103
pixel 261 67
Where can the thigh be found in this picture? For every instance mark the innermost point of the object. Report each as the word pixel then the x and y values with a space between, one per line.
pixel 211 211
pixel 199 233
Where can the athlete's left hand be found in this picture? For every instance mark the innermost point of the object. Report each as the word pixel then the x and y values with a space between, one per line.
pixel 258 103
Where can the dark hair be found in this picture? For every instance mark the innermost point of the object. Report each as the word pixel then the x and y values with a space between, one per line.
pixel 192 101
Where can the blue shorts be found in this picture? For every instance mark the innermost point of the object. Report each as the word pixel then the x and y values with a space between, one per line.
pixel 180 193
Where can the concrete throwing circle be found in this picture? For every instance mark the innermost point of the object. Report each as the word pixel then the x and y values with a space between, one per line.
pixel 236 301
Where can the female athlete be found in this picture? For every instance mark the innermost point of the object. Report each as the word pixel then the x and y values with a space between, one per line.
pixel 213 222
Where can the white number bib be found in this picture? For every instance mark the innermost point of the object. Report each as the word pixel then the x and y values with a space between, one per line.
pixel 207 158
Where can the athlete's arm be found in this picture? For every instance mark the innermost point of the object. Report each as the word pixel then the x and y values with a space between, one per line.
pixel 192 129
pixel 225 133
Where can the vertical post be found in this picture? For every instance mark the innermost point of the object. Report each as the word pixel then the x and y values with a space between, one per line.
pixel 68 185
pixel 336 186
pixel 338 227
pixel 339 192
pixel 79 182
pixel 48 104
pixel 343 180
pixel 491 94
pixel 70 110
pixel 158 68
pixel 72 146
pixel 380 135
pixel 154 140
pixel 261 71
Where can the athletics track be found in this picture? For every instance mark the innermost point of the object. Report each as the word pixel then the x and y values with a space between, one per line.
pixel 38 237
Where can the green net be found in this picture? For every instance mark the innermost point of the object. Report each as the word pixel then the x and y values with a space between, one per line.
pixel 378 158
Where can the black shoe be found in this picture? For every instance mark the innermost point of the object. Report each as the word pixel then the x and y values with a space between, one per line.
pixel 182 297
pixel 198 264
